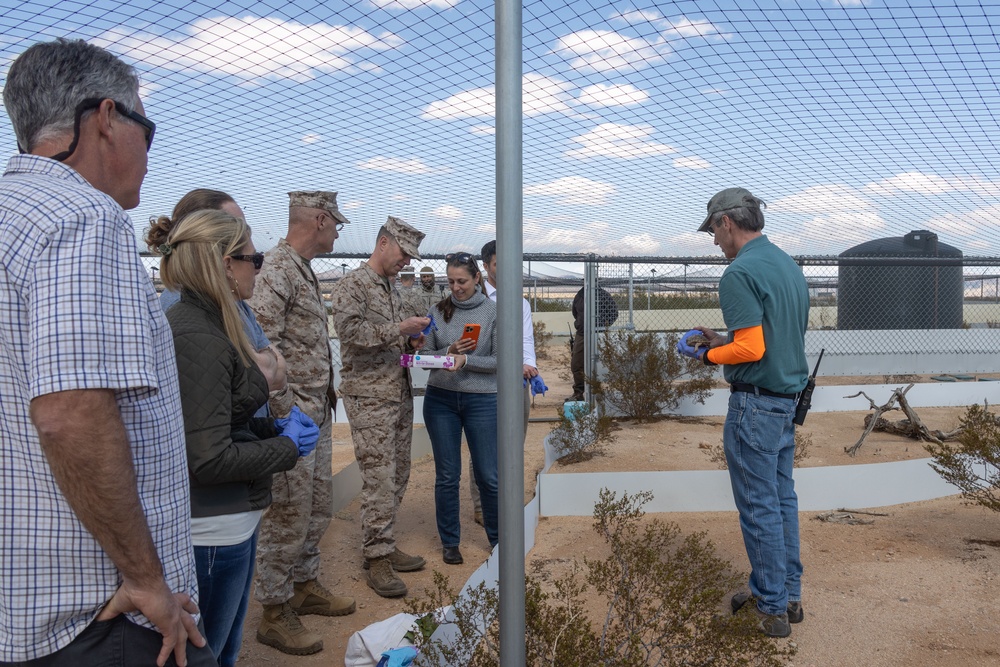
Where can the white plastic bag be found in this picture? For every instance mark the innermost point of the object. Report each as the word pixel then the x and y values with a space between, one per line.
pixel 365 647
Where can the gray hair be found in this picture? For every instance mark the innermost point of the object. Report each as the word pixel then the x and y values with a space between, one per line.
pixel 749 217
pixel 47 82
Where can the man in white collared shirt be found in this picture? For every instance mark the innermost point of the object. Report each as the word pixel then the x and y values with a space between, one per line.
pixel 488 255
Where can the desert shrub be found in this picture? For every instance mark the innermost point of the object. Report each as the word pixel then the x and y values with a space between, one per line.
pixel 717 453
pixel 972 463
pixel 644 375
pixel 582 437
pixel 543 337
pixel 659 600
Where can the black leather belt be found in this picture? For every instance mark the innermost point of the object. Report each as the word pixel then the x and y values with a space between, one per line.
pixel 753 389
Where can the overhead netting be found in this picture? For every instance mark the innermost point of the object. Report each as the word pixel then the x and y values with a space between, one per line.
pixel 853 119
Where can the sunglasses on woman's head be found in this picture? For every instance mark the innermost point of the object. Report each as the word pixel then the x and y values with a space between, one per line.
pixel 257 258
pixel 459 257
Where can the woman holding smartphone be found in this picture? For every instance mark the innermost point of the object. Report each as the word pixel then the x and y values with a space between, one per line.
pixel 463 398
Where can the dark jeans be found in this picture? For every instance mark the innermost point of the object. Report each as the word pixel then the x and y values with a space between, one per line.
pixel 577 365
pixel 117 642
pixel 224 576
pixel 446 415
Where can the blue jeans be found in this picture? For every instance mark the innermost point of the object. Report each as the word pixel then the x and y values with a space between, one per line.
pixel 759 441
pixel 446 414
pixel 224 576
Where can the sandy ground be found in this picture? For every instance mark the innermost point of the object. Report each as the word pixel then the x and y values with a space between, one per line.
pixel 917 587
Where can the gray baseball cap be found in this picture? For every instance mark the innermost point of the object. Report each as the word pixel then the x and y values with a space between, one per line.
pixel 725 200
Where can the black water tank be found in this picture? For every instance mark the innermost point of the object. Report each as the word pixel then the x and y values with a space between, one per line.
pixel 892 295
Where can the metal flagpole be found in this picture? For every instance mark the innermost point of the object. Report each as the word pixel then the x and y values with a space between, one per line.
pixel 510 396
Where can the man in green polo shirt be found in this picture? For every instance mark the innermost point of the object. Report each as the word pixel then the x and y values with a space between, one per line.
pixel 765 305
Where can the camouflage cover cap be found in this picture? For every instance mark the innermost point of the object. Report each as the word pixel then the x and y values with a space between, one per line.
pixel 406 271
pixel 407 237
pixel 326 201
pixel 725 200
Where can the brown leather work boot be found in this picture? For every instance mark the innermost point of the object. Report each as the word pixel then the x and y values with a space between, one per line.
pixel 311 597
pixel 403 562
pixel 383 580
pixel 281 628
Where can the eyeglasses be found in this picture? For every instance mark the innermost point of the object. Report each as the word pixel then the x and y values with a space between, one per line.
pixel 257 258
pixel 459 258
pixel 715 225
pixel 336 224
pixel 92 103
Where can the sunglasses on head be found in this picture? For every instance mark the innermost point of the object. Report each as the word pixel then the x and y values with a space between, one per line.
pixel 458 258
pixel 257 258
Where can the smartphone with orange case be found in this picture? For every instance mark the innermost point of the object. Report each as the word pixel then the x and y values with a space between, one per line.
pixel 471 332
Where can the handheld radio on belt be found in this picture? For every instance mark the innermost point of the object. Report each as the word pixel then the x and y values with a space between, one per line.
pixel 805 398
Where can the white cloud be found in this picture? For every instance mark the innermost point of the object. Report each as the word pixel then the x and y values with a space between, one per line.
pixel 351 205
pixel 400 165
pixel 252 48
pixel 912 181
pixel 685 28
pixel 574 190
pixel 607 50
pixel 970 223
pixel 626 142
pixel 633 244
pixel 691 163
pixel 415 4
pixel 400 197
pixel 145 89
pixel 827 218
pixel 610 95
pixel 541 95
pixel 680 27
pixel 447 212
pixel 483 130
pixel 714 91
pixel 311 138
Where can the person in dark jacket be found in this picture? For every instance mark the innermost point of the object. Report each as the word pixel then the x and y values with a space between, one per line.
pixel 210 259
pixel 607 313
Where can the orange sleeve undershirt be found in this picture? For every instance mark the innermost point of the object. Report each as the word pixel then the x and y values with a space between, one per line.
pixel 747 345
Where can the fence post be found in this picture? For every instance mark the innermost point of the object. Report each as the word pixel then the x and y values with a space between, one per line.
pixel 631 322
pixel 589 324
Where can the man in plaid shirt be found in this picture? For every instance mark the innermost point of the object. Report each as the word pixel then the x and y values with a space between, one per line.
pixel 95 524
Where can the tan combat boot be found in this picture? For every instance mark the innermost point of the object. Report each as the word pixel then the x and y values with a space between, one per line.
pixel 281 628
pixel 403 562
pixel 311 597
pixel 383 580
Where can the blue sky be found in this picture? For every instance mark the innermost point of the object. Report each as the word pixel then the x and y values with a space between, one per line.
pixel 854 120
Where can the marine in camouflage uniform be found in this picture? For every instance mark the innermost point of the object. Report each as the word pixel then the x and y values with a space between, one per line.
pixel 408 293
pixel 289 307
pixel 372 323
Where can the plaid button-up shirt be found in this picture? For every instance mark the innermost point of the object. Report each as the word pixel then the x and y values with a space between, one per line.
pixel 77 311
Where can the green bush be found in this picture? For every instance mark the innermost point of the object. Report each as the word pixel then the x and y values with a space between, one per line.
pixel 582 437
pixel 644 375
pixel 660 596
pixel 972 463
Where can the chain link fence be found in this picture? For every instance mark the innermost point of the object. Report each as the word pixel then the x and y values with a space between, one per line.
pixel 869 306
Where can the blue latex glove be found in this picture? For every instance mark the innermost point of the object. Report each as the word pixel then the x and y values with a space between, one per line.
pixel 427 329
pixel 300 429
pixel 538 386
pixel 398 657
pixel 687 350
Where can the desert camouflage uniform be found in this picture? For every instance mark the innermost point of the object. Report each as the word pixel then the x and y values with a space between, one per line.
pixel 367 311
pixel 289 307
pixel 427 298
pixel 413 305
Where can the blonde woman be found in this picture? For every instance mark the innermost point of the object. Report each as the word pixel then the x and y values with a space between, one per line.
pixel 210 259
